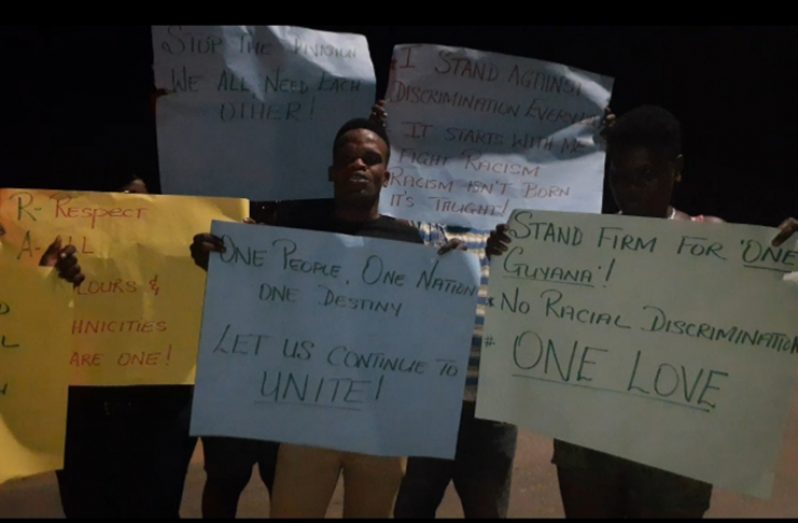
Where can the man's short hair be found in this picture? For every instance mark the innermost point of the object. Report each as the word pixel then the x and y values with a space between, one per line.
pixel 648 126
pixel 362 123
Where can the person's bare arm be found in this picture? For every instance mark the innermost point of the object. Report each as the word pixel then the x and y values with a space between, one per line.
pixel 65 261
pixel 454 244
pixel 498 241
pixel 202 246
pixel 786 229
pixel 378 113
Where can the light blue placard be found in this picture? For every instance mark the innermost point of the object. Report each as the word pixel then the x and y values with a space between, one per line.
pixel 321 339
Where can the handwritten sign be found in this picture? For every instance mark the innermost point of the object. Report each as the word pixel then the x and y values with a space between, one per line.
pixel 256 106
pixel 34 333
pixel 669 343
pixel 137 313
pixel 351 343
pixel 475 135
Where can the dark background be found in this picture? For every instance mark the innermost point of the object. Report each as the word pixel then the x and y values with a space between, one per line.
pixel 77 100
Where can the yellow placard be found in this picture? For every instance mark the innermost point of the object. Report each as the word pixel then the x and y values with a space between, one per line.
pixel 137 314
pixel 34 328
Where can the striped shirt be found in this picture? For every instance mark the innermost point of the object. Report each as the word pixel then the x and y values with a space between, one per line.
pixel 475 240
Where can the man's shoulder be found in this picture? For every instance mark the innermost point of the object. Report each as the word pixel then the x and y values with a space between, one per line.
pixel 396 229
pixel 700 218
pixel 705 218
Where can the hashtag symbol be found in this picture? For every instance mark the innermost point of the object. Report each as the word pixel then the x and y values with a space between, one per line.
pixel 489 341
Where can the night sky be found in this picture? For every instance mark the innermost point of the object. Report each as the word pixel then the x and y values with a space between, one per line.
pixel 72 94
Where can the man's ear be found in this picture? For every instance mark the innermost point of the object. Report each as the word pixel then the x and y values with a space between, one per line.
pixel 678 166
pixel 387 179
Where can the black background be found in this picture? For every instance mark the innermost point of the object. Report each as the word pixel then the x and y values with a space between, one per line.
pixel 75 96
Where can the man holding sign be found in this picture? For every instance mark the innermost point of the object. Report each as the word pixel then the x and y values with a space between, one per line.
pixel 33 386
pixel 483 464
pixel 306 477
pixel 103 420
pixel 644 165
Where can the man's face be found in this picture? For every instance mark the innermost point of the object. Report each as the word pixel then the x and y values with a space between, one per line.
pixel 642 181
pixel 359 168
